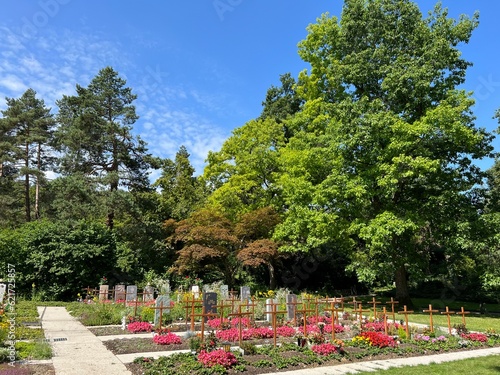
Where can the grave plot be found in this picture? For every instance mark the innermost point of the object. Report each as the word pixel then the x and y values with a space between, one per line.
pixel 22 338
pixel 263 335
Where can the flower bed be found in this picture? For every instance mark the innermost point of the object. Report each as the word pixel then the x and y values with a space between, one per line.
pixel 167 339
pixel 378 339
pixel 135 327
pixel 217 357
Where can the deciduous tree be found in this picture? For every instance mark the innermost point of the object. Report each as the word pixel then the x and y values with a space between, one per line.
pixel 383 154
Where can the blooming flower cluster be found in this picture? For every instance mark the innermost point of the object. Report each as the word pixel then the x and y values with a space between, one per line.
pixel 327 328
pixel 419 337
pixel 135 327
pixel 167 339
pixel 221 324
pixel 232 334
pixel 481 337
pixel 360 341
pixel 378 339
pixel 217 357
pixel 286 331
pixel 325 349
pixel 217 323
pixel 379 326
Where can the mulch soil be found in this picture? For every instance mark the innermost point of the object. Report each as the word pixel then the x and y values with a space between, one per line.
pixel 27 369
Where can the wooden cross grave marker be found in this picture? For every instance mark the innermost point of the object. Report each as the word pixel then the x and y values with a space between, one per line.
pixel 405 312
pixel 233 293
pixel 190 305
pixel 232 299
pixel 304 312
pixel 354 304
pixel 463 313
pixel 203 315
pixel 222 306
pixel 274 312
pixel 448 313
pixel 430 311
pixel 247 305
pixel 392 303
pixel 374 304
pixel 361 311
pixel 335 313
pixel 316 303
pixel 136 302
pixel 161 308
pixel 384 310
pixel 307 301
pixel 240 314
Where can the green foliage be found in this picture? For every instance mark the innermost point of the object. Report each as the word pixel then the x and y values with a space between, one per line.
pixel 97 314
pixel 181 192
pixel 243 172
pixel 282 102
pixel 380 163
pixel 60 258
pixel 26 130
pixel 33 350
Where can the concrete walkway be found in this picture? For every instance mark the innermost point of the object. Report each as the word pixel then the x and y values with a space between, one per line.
pixel 76 350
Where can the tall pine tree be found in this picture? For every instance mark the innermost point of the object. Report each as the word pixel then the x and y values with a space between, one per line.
pixel 95 136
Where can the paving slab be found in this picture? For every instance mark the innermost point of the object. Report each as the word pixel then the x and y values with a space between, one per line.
pixel 76 350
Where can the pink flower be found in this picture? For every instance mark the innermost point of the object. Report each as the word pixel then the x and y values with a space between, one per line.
pixel 167 339
pixel 135 327
pixel 217 357
pixel 325 349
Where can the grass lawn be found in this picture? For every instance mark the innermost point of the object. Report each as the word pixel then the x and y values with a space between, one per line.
pixel 477 366
pixel 454 305
pixel 473 322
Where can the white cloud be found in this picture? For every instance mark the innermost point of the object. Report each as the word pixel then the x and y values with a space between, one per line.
pixel 13 84
pixel 54 62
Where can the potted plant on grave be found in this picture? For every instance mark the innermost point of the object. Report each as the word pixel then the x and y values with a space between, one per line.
pixel 195 344
pixel 301 339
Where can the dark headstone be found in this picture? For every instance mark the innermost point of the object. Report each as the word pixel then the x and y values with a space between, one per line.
pixel 210 303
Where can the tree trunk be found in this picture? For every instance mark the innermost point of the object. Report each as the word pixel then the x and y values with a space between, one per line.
pixel 402 293
pixel 272 276
pixel 27 186
pixel 37 183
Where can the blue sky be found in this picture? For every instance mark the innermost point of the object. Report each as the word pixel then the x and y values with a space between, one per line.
pixel 201 68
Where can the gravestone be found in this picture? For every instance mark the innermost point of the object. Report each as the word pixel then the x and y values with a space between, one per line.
pixel 195 289
pixel 103 292
pixel 210 303
pixel 166 307
pixel 269 308
pixel 245 293
pixel 119 292
pixel 131 293
pixel 291 304
pixel 148 293
pixel 164 286
pixel 2 292
pixel 224 291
